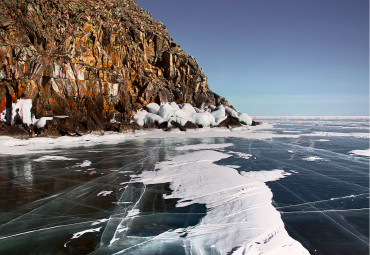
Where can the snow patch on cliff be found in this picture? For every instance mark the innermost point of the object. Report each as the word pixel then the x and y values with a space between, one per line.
pixel 22 109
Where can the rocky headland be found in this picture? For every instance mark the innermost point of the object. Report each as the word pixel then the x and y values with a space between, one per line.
pixel 76 65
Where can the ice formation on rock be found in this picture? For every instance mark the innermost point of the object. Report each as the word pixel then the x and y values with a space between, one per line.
pixel 22 111
pixel 205 116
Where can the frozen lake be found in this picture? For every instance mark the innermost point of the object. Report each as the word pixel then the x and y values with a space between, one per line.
pixel 299 185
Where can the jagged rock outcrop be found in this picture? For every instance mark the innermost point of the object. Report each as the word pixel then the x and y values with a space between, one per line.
pixel 89 59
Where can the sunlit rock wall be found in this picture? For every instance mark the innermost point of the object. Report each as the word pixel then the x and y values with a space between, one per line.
pixel 91 59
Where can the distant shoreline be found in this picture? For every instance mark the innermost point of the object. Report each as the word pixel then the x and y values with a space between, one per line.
pixel 312 116
pixel 15 146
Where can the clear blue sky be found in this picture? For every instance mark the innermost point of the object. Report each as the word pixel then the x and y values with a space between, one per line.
pixel 277 57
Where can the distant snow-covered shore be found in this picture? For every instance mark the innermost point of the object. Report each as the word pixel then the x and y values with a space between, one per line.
pixel 13 146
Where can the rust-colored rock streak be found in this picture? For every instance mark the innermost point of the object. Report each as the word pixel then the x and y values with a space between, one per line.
pixel 92 58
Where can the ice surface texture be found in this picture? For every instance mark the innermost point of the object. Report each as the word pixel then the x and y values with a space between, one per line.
pixel 96 194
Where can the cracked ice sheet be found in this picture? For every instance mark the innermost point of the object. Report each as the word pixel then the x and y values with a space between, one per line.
pixel 240 216
pixel 13 146
pixel 203 146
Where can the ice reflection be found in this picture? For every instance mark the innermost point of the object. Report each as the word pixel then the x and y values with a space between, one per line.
pixel 27 170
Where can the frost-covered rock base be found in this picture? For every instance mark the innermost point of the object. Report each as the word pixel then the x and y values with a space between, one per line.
pixel 185 115
pixel 20 120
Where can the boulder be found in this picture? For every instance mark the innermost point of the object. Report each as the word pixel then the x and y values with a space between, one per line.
pixel 150 126
pixel 178 125
pixel 163 125
pixel 256 123
pixel 115 126
pixel 230 122
pixel 190 125
pixel 135 126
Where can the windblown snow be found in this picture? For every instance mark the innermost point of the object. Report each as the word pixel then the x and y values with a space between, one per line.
pixel 313 158
pixel 51 158
pixel 77 235
pixel 85 163
pixel 104 193
pixel 240 217
pixel 365 153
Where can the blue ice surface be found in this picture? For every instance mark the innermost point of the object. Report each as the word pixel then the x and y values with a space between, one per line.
pixel 323 203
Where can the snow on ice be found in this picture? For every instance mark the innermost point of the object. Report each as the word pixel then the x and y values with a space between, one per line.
pixel 313 158
pixel 85 163
pixel 50 158
pixel 77 235
pixel 240 217
pixel 104 193
pixel 365 153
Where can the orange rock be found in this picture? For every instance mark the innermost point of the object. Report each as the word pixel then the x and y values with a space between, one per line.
pixel 2 104
pixel 87 27
pixel 110 57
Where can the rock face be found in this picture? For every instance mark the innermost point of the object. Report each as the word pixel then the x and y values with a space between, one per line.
pixel 89 59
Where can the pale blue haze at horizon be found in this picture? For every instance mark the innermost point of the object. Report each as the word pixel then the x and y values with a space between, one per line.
pixel 288 57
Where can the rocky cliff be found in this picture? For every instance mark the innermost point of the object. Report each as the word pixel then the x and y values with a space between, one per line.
pixel 89 59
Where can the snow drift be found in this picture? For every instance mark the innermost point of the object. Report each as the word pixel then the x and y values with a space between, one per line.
pixel 240 216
